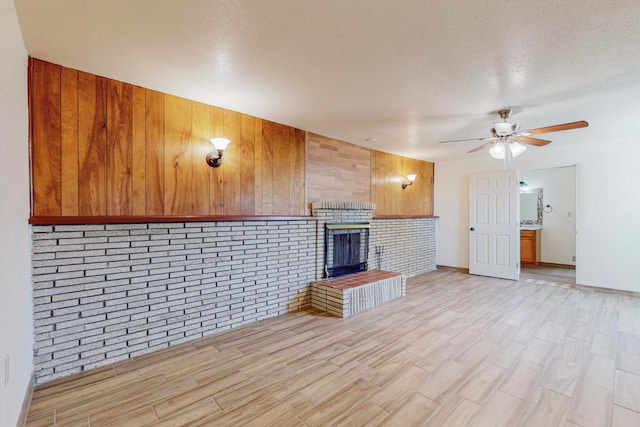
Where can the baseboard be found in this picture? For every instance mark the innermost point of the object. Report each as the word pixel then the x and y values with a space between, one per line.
pixel 26 403
pixel 552 265
pixel 608 290
pixel 458 269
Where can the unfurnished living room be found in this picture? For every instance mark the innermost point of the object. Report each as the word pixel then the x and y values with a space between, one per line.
pixel 319 213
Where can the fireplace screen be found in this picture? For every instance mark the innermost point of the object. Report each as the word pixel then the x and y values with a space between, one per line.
pixel 346 248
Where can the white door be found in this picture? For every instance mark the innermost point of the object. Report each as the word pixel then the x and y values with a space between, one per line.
pixel 494 225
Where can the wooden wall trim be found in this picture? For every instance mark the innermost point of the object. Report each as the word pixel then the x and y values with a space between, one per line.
pixel 404 216
pixel 76 220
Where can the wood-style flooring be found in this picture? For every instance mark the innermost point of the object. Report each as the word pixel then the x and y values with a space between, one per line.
pixel 458 350
pixel 556 274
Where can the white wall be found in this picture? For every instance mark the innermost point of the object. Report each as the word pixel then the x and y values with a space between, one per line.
pixel 16 325
pixel 558 235
pixel 607 211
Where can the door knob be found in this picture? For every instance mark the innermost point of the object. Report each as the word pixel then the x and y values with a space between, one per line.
pixel 472 229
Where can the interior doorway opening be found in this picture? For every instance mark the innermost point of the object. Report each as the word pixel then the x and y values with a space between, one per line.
pixel 558 260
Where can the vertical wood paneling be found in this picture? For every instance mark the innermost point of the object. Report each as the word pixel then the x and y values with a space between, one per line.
pixel 259 208
pixel 119 148
pixel 178 168
pixel 296 171
pixel 216 183
pixel 387 173
pixel 101 147
pixel 92 133
pixel 45 134
pixel 154 152
pixel 247 166
pixel 281 169
pixel 397 194
pixel 69 141
pixel 231 163
pixel 267 167
pixel 138 153
pixel 200 147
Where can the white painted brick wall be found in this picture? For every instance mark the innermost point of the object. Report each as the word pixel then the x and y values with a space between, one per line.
pixel 104 293
pixel 409 245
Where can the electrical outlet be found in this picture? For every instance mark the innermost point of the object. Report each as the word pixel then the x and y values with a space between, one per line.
pixel 7 367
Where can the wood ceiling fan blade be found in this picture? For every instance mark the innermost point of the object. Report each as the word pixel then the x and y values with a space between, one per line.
pixel 533 141
pixel 480 147
pixel 558 128
pixel 462 140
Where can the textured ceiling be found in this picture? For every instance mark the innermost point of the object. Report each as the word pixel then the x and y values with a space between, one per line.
pixel 405 73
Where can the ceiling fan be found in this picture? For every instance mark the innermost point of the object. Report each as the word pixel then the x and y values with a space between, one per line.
pixel 508 140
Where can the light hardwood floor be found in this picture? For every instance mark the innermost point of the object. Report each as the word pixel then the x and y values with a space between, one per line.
pixel 557 274
pixel 458 350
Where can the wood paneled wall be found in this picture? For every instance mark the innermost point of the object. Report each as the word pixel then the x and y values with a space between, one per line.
pixel 337 171
pixel 343 172
pixel 100 147
pixel 387 171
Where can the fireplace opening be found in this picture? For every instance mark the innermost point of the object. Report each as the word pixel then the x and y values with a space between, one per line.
pixel 346 248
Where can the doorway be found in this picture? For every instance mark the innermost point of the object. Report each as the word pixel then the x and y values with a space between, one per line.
pixel 558 259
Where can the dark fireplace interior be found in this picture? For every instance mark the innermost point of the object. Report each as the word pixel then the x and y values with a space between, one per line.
pixel 346 248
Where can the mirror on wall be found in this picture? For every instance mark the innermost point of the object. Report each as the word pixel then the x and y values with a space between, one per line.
pixel 531 206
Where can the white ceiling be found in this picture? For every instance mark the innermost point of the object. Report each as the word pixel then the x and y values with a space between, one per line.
pixel 405 73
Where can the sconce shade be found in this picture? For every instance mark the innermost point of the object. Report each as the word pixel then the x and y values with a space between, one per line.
pixel 214 158
pixel 220 143
pixel 410 177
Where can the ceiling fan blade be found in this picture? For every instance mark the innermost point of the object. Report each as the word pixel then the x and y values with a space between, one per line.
pixel 481 147
pixel 558 128
pixel 460 140
pixel 533 141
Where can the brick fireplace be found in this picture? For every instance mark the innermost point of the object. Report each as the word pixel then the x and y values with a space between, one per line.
pixel 108 292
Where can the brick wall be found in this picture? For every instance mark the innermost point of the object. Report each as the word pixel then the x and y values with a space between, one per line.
pixel 104 293
pixel 408 245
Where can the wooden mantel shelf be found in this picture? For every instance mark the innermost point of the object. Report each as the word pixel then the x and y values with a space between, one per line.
pixel 404 216
pixel 75 220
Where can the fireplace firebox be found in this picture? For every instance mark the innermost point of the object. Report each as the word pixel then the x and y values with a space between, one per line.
pixel 346 248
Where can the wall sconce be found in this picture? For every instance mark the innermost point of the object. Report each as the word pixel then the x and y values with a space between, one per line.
pixel 214 158
pixel 410 178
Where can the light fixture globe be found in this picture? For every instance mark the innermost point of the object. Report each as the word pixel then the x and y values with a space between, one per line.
pixel 498 151
pixel 516 148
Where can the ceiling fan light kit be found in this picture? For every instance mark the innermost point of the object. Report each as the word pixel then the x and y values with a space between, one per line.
pixel 507 135
pixel 516 148
pixel 503 128
pixel 497 151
